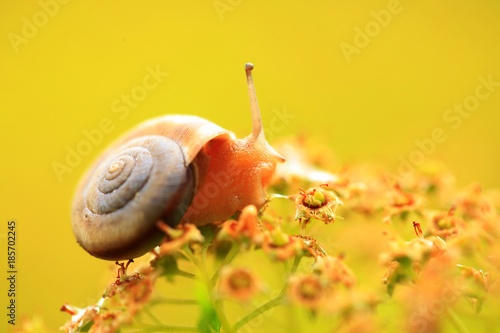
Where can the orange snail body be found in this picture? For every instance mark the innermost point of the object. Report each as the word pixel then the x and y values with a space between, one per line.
pixel 176 169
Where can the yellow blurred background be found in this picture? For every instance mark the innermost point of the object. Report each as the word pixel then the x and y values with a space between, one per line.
pixel 369 78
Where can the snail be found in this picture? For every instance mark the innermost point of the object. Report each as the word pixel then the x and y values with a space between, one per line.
pixel 175 169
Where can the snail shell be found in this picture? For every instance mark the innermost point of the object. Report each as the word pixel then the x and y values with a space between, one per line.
pixel 155 172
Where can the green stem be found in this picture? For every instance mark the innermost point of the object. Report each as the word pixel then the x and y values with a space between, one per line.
pixel 153 316
pixel 190 255
pixel 227 259
pixel 260 310
pixel 455 320
pixel 226 326
pixel 270 304
pixel 280 196
pixel 295 265
pixel 205 279
pixel 186 274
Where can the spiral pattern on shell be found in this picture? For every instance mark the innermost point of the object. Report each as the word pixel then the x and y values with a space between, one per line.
pixel 131 188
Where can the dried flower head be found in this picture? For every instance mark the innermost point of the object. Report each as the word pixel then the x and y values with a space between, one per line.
pixel 308 291
pixel 316 203
pixel 480 278
pixel 445 224
pixel 391 274
pixel 475 286
pixel 356 307
pixel 346 187
pixel 399 202
pixel 79 317
pixel 110 321
pixel 312 246
pixel 177 237
pixel 474 203
pixel 280 246
pixel 334 270
pixel 238 284
pixel 121 284
pixel 417 250
pixel 247 230
pixel 130 292
pixel 405 259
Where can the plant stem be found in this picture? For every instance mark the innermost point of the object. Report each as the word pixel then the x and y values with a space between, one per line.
pixel 260 310
pixel 280 196
pixel 190 255
pixel 207 282
pixel 186 274
pixel 227 259
pixel 270 304
pixel 455 320
pixel 226 326
pixel 153 316
pixel 295 265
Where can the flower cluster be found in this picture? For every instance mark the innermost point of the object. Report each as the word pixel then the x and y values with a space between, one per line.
pixel 121 301
pixel 319 290
pixel 433 255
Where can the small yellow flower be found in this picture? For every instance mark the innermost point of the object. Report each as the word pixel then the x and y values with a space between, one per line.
pixel 238 284
pixel 334 270
pixel 445 224
pixel 399 202
pixel 280 246
pixel 308 291
pixel 474 204
pixel 316 203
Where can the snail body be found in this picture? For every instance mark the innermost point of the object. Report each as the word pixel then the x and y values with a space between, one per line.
pixel 175 169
